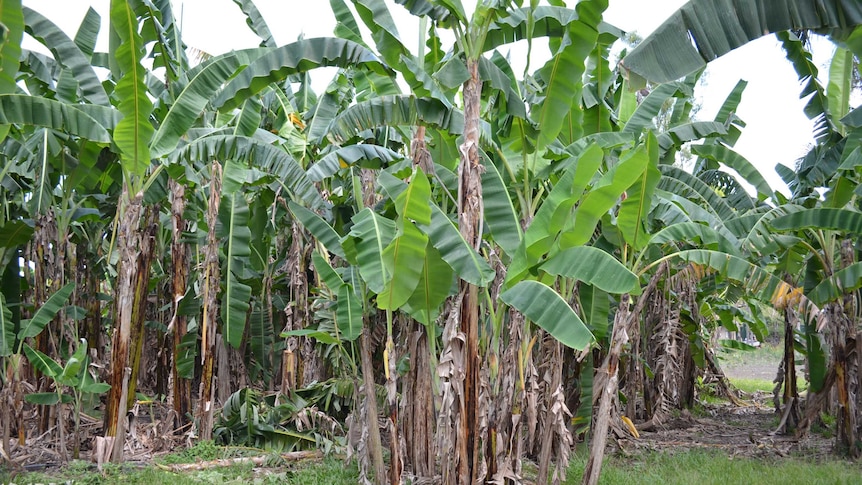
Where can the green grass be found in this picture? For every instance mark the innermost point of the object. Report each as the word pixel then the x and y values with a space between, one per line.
pixel 701 467
pixel 705 467
pixel 752 385
pixel 330 471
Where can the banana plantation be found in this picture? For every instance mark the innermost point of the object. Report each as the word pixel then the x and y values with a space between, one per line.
pixel 437 265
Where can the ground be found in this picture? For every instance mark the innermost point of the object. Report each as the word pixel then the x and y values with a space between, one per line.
pixel 715 442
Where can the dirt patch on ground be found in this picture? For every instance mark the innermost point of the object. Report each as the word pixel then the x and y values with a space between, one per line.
pixel 747 431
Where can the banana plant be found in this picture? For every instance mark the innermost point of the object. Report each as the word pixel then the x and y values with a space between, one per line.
pixel 13 337
pixel 718 34
pixel 76 375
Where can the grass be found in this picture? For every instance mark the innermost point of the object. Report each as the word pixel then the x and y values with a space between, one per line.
pixel 705 467
pixel 330 470
pixel 752 385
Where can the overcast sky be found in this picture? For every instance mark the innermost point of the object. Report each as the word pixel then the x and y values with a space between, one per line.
pixel 776 131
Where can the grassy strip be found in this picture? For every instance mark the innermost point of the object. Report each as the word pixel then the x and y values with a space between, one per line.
pixel 704 467
pixel 329 471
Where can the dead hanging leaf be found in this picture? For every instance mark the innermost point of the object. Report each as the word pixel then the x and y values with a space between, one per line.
pixel 296 121
pixel 630 426
pixel 785 296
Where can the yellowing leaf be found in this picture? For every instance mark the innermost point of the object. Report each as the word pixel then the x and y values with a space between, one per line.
pixel 630 426
pixel 786 295
pixel 296 120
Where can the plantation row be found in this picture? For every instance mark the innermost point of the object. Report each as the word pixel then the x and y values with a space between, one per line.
pixel 495 264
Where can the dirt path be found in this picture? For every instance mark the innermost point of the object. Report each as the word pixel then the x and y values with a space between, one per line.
pixel 741 431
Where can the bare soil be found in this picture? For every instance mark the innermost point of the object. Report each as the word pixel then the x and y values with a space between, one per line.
pixel 747 430
pixel 740 431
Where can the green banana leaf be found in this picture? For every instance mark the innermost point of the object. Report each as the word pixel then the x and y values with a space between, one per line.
pixel 500 215
pixel 233 231
pixel 463 258
pixel 67 53
pixel 594 267
pixel 256 22
pixel 401 257
pixel 699 234
pixel 39 111
pixel 563 80
pixel 603 196
pixel 42 362
pixel 734 160
pixel 134 132
pixel 650 107
pixel 843 220
pixel 392 111
pixel 527 22
pixel 435 283
pixel 817 106
pixel 265 157
pixel 72 374
pixel 840 83
pixel 552 215
pixel 497 79
pixel 834 287
pixel 33 326
pixel 677 135
pixel 348 310
pixel 445 237
pixel 7 329
pixel 346 26
pixel 596 307
pixel 88 32
pixel 440 11
pixel 758 282
pixel 372 233
pixel 11 31
pixel 195 95
pixel 297 57
pixel 632 217
pixel 755 231
pixel 548 310
pixel 348 156
pixel 680 182
pixel 318 228
pixel 380 22
pixel 703 30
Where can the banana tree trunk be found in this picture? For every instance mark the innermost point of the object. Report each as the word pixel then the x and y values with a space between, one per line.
pixel 45 282
pixel 469 222
pixel 624 318
pixel 619 338
pixel 787 377
pixel 180 388
pixel 129 240
pixel 395 462
pixel 374 446
pixel 505 427
pixel 848 436
pixel 555 432
pixel 141 289
pixel 212 278
pixel 417 422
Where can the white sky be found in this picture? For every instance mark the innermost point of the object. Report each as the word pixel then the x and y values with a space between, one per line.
pixel 776 131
